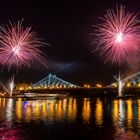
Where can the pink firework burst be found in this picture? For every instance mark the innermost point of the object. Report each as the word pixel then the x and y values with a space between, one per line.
pixel 19 46
pixel 118 37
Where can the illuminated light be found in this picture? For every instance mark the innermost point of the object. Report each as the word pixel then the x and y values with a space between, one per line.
pixel 64 105
pixel 71 86
pixel 51 110
pixel 86 86
pixel 121 112
pixel 115 85
pixel 86 111
pixel 21 88
pixel 128 85
pixel 138 85
pixel 138 113
pixel 9 110
pixel 28 112
pixel 116 112
pixel 99 113
pixel 52 86
pixel 74 109
pixel 3 102
pixel 19 109
pixel 129 113
pixel 119 37
pixel 0 102
pixel 59 110
pixel 29 87
pixel 98 85
pixel 36 110
pixel 44 110
pixel 70 109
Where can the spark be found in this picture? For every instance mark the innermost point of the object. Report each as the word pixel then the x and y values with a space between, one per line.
pixel 118 36
pixel 9 87
pixel 20 46
pixel 120 86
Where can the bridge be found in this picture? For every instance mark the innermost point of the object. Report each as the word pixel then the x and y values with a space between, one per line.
pixel 52 81
pixel 129 81
pixel 130 84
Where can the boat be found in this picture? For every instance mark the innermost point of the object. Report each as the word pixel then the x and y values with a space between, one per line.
pixel 29 95
pixel 42 95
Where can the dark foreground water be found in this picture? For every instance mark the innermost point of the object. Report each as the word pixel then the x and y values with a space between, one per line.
pixel 70 118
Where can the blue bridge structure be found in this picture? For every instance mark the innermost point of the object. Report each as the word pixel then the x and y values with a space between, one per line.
pixel 133 80
pixel 52 81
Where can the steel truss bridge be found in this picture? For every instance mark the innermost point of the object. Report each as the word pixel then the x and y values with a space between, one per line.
pixel 133 80
pixel 52 81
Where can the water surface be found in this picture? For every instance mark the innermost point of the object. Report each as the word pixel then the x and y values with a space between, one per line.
pixel 69 118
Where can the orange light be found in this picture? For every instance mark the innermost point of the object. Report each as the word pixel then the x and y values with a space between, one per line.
pixel 115 85
pixel 128 85
pixel 138 84
pixel 98 85
pixel 88 86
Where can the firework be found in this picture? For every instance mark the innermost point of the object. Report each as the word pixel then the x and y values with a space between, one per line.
pixel 19 46
pixel 118 37
pixel 11 86
pixel 8 88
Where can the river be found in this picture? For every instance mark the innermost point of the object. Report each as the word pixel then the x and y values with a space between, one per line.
pixel 71 117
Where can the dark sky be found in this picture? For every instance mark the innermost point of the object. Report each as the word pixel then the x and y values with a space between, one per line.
pixel 66 25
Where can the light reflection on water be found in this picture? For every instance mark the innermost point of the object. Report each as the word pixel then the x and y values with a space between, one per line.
pixel 86 111
pixel 50 110
pixel 121 117
pixel 99 113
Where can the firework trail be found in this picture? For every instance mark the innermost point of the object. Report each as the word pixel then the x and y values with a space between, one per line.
pixel 9 87
pixel 118 37
pixel 19 46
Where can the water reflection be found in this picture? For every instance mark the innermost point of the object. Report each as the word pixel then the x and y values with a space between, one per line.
pixel 99 113
pixel 19 109
pixel 118 115
pixel 51 110
pixel 2 102
pixel 86 112
pixel 115 112
pixel 121 113
pixel 138 116
pixel 129 113
pixel 9 111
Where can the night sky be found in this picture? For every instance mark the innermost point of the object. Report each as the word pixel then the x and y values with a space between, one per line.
pixel 66 25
